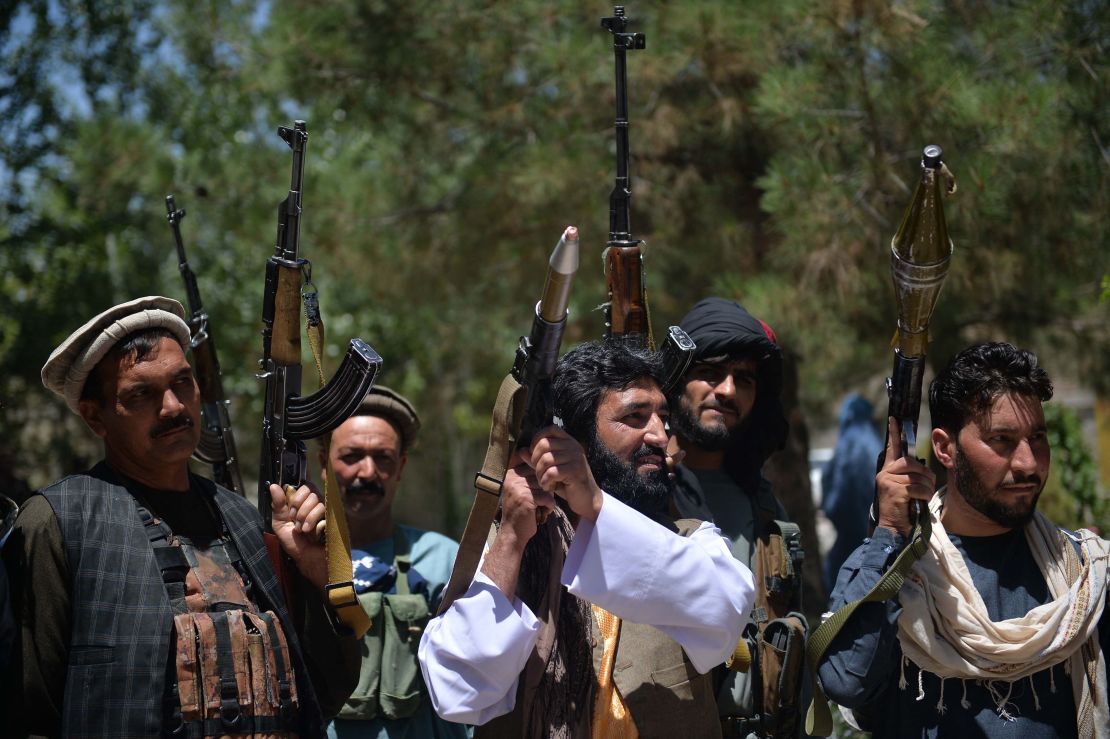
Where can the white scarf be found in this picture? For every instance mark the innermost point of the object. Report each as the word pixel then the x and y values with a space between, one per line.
pixel 944 627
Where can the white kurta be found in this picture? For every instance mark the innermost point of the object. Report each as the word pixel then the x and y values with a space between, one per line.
pixel 690 588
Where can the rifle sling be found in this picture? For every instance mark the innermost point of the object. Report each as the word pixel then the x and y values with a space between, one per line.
pixel 512 400
pixel 819 717
pixel 337 538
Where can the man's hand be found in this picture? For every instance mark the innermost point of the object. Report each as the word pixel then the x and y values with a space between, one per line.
pixel 294 520
pixel 561 467
pixel 521 495
pixel 900 482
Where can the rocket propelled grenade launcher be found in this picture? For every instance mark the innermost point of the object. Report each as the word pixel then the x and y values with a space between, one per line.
pixel 626 312
pixel 525 404
pixel 217 441
pixel 919 256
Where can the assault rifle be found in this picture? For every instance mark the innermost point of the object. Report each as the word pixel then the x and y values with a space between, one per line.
pixel 288 417
pixel 217 441
pixel 525 405
pixel 626 311
pixel 627 317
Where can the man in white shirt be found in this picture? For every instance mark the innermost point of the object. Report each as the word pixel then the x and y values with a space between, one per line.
pixel 606 622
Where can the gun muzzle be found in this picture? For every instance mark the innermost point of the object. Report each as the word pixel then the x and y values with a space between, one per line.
pixel 919 254
pixel 560 273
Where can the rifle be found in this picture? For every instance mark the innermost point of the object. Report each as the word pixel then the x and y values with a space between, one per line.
pixel 217 441
pixel 288 417
pixel 525 405
pixel 919 256
pixel 626 312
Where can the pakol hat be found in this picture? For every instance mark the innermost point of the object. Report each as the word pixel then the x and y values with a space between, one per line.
pixel 69 365
pixel 393 407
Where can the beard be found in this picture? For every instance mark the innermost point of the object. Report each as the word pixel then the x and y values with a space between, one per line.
pixel 991 504
pixel 716 437
pixel 648 494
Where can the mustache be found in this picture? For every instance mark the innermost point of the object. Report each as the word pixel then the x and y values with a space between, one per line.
pixel 365 487
pixel 647 451
pixel 1023 479
pixel 718 404
pixel 171 424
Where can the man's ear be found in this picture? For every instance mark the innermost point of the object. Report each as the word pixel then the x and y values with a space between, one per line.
pixel 90 413
pixel 944 447
pixel 401 462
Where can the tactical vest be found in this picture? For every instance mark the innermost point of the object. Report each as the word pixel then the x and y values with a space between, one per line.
pixel 229 673
pixel 120 638
pixel 390 684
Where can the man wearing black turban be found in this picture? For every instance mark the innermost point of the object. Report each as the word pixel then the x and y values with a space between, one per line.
pixel 727 417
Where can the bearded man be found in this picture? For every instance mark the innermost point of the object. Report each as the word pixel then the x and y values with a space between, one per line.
pixel 604 620
pixel 1001 628
pixel 727 420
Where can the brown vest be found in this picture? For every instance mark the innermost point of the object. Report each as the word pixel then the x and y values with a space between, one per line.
pixel 664 693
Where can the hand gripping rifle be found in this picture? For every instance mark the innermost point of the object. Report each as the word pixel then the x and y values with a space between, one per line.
pixel 525 405
pixel 288 417
pixel 919 256
pixel 217 442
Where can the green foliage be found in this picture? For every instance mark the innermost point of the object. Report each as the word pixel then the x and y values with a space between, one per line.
pixel 1073 497
pixel 774 147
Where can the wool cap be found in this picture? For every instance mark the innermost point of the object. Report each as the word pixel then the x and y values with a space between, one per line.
pixel 69 365
pixel 395 408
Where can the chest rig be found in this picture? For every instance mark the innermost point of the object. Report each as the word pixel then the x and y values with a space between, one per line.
pixel 229 672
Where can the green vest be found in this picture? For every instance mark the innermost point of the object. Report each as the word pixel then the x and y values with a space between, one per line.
pixel 390 684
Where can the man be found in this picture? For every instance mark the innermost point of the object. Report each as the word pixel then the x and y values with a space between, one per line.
pixel 1001 628
pixel 143 592
pixel 622 649
pixel 728 419
pixel 400 571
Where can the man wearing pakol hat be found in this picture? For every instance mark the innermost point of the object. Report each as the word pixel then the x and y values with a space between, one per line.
pixel 727 418
pixel 144 594
pixel 400 572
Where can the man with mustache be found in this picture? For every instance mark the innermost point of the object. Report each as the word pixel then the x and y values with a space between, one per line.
pixel 145 598
pixel 727 419
pixel 1001 629
pixel 400 571
pixel 603 620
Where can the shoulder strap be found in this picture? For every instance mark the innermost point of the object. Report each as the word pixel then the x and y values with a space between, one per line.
pixel 819 718
pixel 169 557
pixel 401 560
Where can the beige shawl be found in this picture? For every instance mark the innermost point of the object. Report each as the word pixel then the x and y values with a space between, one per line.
pixel 944 627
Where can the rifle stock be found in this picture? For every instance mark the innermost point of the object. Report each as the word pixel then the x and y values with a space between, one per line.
pixel 217 441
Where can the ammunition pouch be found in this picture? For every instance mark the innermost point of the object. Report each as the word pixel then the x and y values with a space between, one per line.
pixel 777 635
pixel 390 684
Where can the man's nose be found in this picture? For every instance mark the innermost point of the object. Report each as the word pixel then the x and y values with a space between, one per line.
pixel 726 388
pixel 656 432
pixel 367 470
pixel 171 404
pixel 1024 460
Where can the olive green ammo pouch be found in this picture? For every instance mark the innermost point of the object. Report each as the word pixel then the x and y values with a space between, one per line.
pixel 390 684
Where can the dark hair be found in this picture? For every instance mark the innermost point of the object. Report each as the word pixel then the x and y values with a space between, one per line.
pixel 137 346
pixel 971 381
pixel 587 370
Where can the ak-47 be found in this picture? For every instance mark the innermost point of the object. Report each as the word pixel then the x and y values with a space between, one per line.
pixel 217 441
pixel 288 417
pixel 626 310
pixel 525 405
